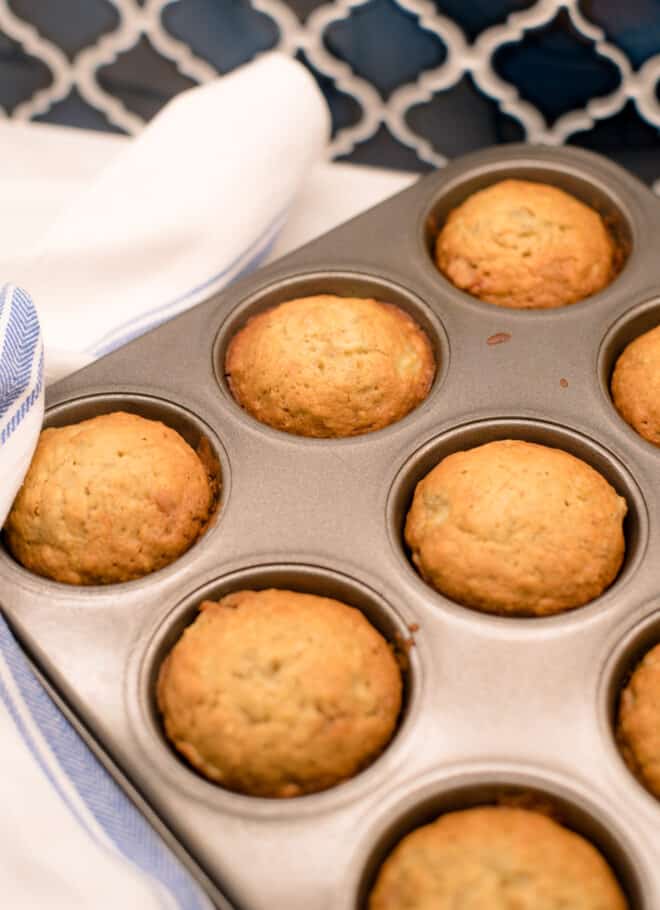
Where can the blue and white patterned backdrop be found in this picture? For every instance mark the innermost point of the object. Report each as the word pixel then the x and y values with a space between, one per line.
pixel 410 83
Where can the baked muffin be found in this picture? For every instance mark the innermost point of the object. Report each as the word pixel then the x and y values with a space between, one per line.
pixel 636 385
pixel 330 366
pixel 276 694
pixel 638 726
pixel 495 858
pixel 526 245
pixel 516 528
pixel 109 499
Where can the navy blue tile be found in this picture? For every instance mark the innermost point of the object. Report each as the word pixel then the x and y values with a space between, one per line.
pixel 226 33
pixel 304 8
pixel 461 120
pixel 142 79
pixel 625 138
pixel 71 24
pixel 384 44
pixel 556 68
pixel 21 75
pixel 344 109
pixel 74 111
pixel 477 15
pixel 383 150
pixel 634 25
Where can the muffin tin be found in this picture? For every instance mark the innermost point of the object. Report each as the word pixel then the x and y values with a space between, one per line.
pixel 496 709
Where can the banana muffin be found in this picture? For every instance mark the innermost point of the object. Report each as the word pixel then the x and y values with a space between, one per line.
pixel 495 858
pixel 108 500
pixel 638 727
pixel 526 245
pixel 636 385
pixel 330 366
pixel 516 528
pixel 277 694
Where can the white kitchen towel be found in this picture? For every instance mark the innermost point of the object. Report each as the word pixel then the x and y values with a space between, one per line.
pixel 196 200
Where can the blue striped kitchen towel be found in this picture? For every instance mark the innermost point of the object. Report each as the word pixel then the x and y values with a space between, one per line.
pixel 69 837
pixel 21 389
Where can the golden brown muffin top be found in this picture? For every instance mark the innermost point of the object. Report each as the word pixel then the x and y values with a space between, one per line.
pixel 330 366
pixel 638 724
pixel 276 693
pixel 108 500
pixel 516 528
pixel 526 245
pixel 495 858
pixel 636 385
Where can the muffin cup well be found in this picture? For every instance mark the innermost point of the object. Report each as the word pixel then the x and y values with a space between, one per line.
pixel 620 666
pixel 143 676
pixel 627 328
pixel 466 790
pixel 571 176
pixel 190 427
pixel 476 434
pixel 341 284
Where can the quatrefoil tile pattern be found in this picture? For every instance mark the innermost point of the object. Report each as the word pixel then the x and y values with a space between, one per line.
pixel 405 48
pixel 410 83
pixel 557 54
pixel 63 24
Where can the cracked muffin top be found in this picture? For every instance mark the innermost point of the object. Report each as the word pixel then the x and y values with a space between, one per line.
pixel 108 500
pixel 516 528
pixel 495 858
pixel 330 366
pixel 638 727
pixel 277 694
pixel 526 245
pixel 636 385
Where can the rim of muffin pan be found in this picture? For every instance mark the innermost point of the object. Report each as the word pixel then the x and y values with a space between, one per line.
pixel 142 709
pixel 151 407
pixel 630 325
pixel 473 434
pixel 342 283
pixel 623 658
pixel 472 786
pixel 613 200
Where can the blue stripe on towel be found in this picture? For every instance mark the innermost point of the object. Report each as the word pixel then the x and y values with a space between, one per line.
pixel 118 817
pixel 20 350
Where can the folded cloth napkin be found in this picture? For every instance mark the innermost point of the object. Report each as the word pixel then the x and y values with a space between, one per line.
pixel 196 200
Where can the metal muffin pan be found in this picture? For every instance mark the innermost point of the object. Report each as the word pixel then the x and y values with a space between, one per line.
pixel 494 707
